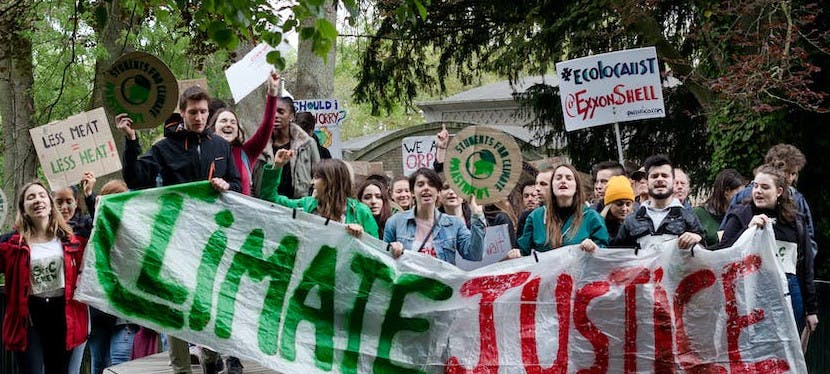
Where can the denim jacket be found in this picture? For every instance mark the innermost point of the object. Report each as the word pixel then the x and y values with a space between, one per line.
pixel 450 235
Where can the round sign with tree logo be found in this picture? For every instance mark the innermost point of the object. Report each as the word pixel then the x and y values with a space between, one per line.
pixel 141 85
pixel 483 162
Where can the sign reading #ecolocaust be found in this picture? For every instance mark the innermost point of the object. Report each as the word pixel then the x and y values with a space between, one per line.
pixel 611 87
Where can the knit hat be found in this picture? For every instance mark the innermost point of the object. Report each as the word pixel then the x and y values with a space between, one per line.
pixel 618 188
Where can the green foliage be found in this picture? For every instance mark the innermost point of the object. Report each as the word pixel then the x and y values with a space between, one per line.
pixel 739 136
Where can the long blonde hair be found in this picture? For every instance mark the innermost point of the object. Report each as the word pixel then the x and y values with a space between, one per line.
pixel 26 227
pixel 554 223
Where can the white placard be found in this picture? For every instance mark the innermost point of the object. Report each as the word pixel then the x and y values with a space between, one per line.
pixel 68 148
pixel 417 152
pixel 496 246
pixel 612 87
pixel 328 116
pixel 251 71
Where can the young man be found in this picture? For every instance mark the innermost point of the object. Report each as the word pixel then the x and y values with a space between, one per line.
pixel 542 194
pixel 187 153
pixel 790 160
pixel 662 214
pixel 601 173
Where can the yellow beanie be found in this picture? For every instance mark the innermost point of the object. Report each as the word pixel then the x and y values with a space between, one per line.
pixel 618 188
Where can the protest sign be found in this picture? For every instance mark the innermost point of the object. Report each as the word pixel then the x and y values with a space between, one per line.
pixel 496 245
pixel 187 83
pixel 417 152
pixel 140 85
pixel 3 208
pixel 328 116
pixel 483 162
pixel 261 282
pixel 68 148
pixel 251 71
pixel 611 87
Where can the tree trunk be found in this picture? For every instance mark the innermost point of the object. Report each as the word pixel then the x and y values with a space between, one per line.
pixel 16 100
pixel 110 36
pixel 315 77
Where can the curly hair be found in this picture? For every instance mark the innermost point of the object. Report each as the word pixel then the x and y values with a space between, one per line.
pixel 786 157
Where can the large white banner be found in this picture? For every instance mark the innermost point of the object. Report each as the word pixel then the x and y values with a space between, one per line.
pixel 611 87
pixel 269 284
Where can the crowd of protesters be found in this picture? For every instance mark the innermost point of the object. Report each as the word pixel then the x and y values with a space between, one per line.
pixel 283 162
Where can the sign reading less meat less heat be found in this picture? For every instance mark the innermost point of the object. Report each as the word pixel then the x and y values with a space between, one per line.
pixel 483 162
pixel 141 86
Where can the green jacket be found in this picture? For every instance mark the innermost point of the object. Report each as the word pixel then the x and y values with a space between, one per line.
pixel 710 224
pixel 535 234
pixel 356 212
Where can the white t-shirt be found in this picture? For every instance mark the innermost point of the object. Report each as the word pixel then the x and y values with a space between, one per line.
pixel 787 253
pixel 47 277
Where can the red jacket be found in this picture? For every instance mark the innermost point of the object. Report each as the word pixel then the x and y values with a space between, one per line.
pixel 14 262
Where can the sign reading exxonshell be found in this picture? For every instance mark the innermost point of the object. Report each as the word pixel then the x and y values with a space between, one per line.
pixel 141 86
pixel 483 162
pixel 612 87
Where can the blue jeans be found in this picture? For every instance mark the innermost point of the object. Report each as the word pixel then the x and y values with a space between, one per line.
pixel 797 302
pixel 121 343
pixel 75 359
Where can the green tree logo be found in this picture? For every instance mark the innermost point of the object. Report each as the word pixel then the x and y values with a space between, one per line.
pixel 481 164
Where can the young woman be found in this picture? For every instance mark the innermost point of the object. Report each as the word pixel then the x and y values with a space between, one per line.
pixel 401 195
pixel 426 230
pixel 771 202
pixel 619 203
pixel 297 173
pixel 41 263
pixel 450 203
pixel 564 219
pixel 332 186
pixel 711 213
pixel 225 123
pixel 67 201
pixel 375 195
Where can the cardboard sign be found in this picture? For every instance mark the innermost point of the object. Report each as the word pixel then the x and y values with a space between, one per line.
pixel 329 115
pixel 68 148
pixel 417 152
pixel 187 83
pixel 251 71
pixel 496 246
pixel 3 208
pixel 483 162
pixel 141 85
pixel 255 281
pixel 612 87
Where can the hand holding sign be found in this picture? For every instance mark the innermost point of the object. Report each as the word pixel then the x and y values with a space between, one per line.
pixel 274 84
pixel 87 183
pixel 124 123
pixel 475 208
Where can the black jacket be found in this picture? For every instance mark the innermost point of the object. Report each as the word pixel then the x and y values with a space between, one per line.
pixel 639 224
pixel 735 224
pixel 181 157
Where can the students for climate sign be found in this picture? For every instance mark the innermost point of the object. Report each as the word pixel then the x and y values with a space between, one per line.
pixel 266 283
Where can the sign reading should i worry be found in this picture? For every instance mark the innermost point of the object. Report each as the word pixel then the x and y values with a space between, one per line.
pixel 611 87
pixel 328 118
pixel 68 148
pixel 483 162
pixel 140 85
